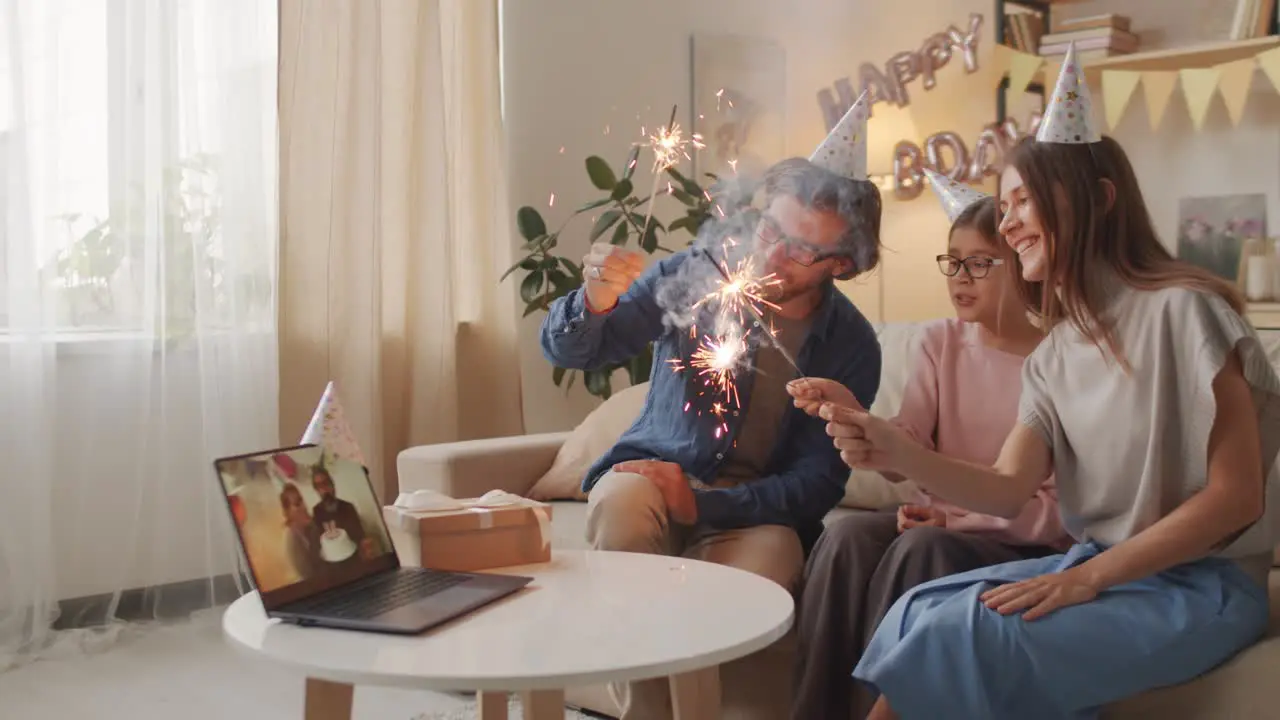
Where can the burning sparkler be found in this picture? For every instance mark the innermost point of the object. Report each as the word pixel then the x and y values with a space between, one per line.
pixel 741 289
pixel 669 145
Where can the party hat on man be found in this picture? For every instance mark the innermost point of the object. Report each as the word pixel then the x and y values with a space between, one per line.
pixel 844 151
pixel 1068 118
pixel 329 429
pixel 954 196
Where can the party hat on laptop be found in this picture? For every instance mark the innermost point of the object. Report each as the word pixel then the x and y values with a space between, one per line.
pixel 954 196
pixel 1068 118
pixel 329 429
pixel 844 151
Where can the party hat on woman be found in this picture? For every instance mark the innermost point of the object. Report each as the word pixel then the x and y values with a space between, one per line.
pixel 954 196
pixel 844 151
pixel 329 429
pixel 1068 118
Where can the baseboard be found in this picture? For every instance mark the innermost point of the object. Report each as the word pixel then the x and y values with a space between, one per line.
pixel 170 601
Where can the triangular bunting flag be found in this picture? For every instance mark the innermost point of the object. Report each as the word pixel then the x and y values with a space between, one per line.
pixel 1269 61
pixel 329 429
pixel 1117 89
pixel 1198 85
pixel 1001 62
pixel 1022 68
pixel 844 151
pixel 1234 81
pixel 1157 87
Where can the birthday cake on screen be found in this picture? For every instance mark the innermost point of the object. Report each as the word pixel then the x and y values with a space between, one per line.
pixel 336 545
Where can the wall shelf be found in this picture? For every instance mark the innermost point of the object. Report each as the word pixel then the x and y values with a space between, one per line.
pixel 1194 56
pixel 1264 315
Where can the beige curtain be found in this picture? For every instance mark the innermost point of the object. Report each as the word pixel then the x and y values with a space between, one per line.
pixel 395 223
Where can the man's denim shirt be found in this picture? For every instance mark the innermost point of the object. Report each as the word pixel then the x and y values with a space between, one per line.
pixel 805 477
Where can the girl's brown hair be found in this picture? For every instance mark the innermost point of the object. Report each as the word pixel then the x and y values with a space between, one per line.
pixel 982 216
pixel 1086 236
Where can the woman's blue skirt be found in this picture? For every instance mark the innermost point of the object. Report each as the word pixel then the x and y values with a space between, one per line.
pixel 940 653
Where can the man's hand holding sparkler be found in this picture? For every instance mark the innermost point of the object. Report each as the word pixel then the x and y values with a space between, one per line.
pixel 671 482
pixel 809 394
pixel 608 270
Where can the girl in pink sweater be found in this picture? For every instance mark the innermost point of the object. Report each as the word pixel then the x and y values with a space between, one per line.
pixel 961 400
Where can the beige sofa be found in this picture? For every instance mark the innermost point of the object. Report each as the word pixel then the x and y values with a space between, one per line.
pixel 548 466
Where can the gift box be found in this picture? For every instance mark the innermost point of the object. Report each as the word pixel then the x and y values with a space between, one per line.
pixel 474 538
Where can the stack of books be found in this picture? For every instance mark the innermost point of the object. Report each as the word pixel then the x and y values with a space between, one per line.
pixel 1096 37
pixel 1022 31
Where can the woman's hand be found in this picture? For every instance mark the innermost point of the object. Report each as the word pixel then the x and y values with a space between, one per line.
pixel 810 393
pixel 1039 596
pixel 910 516
pixel 866 441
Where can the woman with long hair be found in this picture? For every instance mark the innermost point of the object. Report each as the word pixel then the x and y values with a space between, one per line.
pixel 1153 404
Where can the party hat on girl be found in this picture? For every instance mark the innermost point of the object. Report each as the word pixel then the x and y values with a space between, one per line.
pixel 329 429
pixel 844 151
pixel 1068 118
pixel 954 196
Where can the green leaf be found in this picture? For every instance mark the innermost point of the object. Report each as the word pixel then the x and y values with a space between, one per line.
pixel 598 383
pixel 557 375
pixel 620 235
pixel 574 269
pixel 683 223
pixel 531 287
pixel 530 223
pixel 593 205
pixel 633 159
pixel 684 197
pixel 622 189
pixel 638 219
pixel 600 173
pixel 528 263
pixel 569 385
pixel 641 366
pixel 649 242
pixel 534 307
pixel 603 223
pixel 561 282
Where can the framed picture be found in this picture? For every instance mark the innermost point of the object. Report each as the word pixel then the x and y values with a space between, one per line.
pixel 738 103
pixel 1212 230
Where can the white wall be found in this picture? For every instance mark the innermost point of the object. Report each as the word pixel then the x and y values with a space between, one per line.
pixel 574 67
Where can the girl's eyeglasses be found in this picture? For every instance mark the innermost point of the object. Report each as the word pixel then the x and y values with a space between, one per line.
pixel 798 250
pixel 976 267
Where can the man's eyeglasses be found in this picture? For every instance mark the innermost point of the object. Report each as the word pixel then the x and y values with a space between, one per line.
pixel 798 251
pixel 977 267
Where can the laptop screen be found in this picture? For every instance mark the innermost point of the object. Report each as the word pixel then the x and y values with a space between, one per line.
pixel 307 521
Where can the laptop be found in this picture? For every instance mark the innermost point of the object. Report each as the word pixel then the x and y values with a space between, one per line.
pixel 319 552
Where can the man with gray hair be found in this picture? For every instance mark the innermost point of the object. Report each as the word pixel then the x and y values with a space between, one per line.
pixel 747 487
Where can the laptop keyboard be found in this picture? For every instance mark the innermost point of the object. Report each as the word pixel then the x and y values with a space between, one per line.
pixel 377 594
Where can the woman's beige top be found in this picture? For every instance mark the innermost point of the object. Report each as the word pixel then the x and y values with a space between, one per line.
pixel 1130 447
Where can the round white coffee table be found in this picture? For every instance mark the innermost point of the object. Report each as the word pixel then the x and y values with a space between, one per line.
pixel 587 618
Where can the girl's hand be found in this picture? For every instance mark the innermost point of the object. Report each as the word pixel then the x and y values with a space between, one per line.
pixel 1039 596
pixel 811 393
pixel 866 441
pixel 910 516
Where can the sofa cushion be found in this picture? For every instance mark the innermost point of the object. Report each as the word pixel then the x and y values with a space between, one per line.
pixel 591 439
pixel 866 489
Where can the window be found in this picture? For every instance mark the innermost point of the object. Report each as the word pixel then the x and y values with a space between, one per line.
pixel 138 158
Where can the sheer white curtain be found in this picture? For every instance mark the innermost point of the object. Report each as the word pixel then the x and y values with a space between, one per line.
pixel 138 226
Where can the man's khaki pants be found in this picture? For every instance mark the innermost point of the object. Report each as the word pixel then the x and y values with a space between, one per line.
pixel 626 512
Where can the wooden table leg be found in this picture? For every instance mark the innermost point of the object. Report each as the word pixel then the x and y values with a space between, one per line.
pixel 326 700
pixel 543 704
pixel 696 695
pixel 492 705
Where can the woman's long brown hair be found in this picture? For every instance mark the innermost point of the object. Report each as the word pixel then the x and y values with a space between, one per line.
pixel 1087 239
